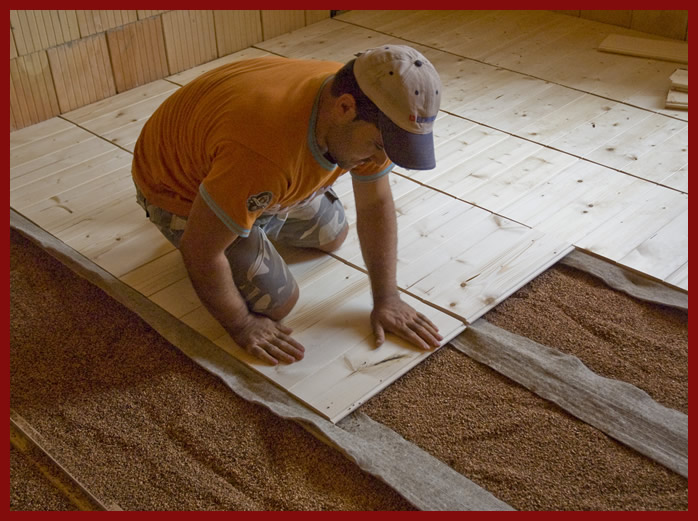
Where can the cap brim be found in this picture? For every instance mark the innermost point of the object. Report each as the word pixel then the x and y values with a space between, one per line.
pixel 405 149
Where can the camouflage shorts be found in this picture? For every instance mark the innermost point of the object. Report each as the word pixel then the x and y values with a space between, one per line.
pixel 258 270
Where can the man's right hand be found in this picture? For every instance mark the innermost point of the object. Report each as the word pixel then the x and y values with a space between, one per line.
pixel 268 340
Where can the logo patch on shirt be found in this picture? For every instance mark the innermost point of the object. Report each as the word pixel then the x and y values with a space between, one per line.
pixel 259 201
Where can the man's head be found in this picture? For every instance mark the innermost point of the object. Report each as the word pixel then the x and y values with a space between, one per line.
pixel 397 89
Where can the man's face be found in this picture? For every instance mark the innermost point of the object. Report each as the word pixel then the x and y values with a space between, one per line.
pixel 355 142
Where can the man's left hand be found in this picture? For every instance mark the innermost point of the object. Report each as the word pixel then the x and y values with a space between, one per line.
pixel 395 316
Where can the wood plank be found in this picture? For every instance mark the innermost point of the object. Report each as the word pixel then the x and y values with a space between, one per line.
pixel 178 299
pixel 679 278
pixel 131 249
pixel 58 212
pixel 656 49
pixel 676 99
pixel 184 77
pixel 157 273
pixel 515 181
pixel 489 271
pixel 539 204
pixel 664 252
pixel 476 163
pixel 366 368
pixel 62 149
pixel 591 207
pixel 112 105
pixel 679 80
pixel 607 125
pixel 557 124
pixel 678 180
pixel 53 180
pixel 342 333
pixel 38 132
pixel 662 162
pixel 637 143
pixel 636 223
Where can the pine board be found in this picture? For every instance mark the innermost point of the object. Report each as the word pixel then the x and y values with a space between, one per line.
pixel 679 80
pixel 668 50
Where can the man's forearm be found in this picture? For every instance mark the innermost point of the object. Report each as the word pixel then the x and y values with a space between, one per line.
pixel 377 230
pixel 215 288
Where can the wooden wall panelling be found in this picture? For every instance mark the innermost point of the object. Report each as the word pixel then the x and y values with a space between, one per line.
pixel 13 46
pixel 138 53
pixel 276 22
pixel 236 30
pixel 316 15
pixel 33 97
pixel 99 21
pixel 189 38
pixel 669 23
pixel 35 30
pixel 144 13
pixel 619 17
pixel 81 72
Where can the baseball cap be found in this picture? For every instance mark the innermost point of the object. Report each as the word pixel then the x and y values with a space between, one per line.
pixel 406 88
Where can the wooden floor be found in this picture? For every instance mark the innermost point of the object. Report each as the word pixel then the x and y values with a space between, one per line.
pixel 543 144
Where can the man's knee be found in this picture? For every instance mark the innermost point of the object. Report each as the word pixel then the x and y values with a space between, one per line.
pixel 335 244
pixel 281 310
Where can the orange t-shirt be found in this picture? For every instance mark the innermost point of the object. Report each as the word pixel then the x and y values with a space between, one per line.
pixel 243 137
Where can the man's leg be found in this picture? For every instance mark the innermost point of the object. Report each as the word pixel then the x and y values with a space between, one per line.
pixel 259 272
pixel 322 224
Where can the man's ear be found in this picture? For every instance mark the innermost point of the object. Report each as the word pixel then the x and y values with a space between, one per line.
pixel 345 107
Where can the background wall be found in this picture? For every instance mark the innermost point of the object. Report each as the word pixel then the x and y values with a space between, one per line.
pixel 61 60
pixel 672 24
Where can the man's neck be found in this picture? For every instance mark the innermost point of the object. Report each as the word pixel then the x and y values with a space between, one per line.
pixel 322 122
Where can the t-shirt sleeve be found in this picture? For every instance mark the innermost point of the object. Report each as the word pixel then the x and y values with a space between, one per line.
pixel 371 171
pixel 240 186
